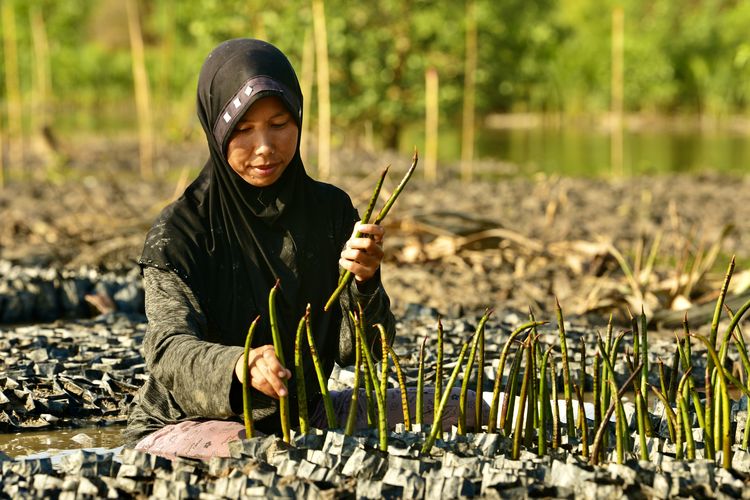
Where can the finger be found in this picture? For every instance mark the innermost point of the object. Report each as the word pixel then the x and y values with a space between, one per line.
pixel 373 230
pixel 275 384
pixel 260 383
pixel 365 244
pixel 274 365
pixel 360 272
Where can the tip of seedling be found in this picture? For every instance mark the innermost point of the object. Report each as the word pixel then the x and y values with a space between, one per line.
pixel 277 284
pixel 557 302
pixel 307 310
pixel 255 321
pixel 416 154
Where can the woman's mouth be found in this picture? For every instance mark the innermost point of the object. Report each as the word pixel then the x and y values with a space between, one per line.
pixel 266 168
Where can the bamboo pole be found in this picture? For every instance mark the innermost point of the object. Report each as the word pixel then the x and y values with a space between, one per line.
pixel 142 98
pixel 324 99
pixel 2 162
pixel 167 27
pixel 470 68
pixel 432 113
pixel 14 105
pixel 306 84
pixel 42 84
pixel 618 39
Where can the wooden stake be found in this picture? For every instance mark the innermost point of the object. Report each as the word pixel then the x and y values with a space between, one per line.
pixel 432 112
pixel 142 98
pixel 324 99
pixel 470 68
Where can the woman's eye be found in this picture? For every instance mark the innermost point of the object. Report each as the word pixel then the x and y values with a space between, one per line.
pixel 279 124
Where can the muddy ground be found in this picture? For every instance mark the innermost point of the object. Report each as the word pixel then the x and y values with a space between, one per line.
pixel 599 246
pixel 70 237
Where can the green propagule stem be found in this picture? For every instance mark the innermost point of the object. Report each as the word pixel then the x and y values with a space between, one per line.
pixel 372 374
pixel 543 396
pixel 742 349
pixel 671 417
pixel 346 278
pixel 555 407
pixel 712 425
pixel 725 377
pixel 492 421
pixel 420 386
pixel 689 388
pixel 582 421
pixel 279 350
pixel 566 371
pixel 247 408
pixel 621 430
pixel 401 386
pixel 478 417
pixel 438 375
pixel 383 418
pixel 522 400
pixel 437 423
pixel 467 374
pixel 299 372
pixel 617 402
pixel 327 403
pixel 351 419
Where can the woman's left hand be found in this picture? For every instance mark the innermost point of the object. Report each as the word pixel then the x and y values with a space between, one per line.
pixel 362 256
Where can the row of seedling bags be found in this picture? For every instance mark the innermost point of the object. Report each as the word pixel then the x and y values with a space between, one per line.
pixel 537 415
pixel 529 413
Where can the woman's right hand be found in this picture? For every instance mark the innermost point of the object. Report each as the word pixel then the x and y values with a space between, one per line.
pixel 267 375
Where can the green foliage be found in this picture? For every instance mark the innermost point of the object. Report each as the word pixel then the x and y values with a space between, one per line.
pixel 534 55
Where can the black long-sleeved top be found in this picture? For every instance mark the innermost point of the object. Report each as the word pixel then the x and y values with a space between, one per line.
pixel 191 378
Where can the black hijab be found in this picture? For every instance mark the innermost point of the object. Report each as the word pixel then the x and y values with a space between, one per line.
pixel 230 241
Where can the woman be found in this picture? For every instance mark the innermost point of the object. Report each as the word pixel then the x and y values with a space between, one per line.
pixel 252 216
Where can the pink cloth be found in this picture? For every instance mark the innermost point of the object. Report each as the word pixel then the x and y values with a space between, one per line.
pixel 193 439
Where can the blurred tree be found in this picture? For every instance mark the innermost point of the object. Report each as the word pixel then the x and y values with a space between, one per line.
pixel 534 55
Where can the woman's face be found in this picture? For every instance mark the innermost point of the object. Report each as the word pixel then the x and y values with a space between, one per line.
pixel 263 142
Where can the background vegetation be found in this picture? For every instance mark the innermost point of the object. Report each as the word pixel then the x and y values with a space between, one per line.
pixel 534 56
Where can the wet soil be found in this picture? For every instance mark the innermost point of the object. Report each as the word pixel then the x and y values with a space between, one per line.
pixel 495 242
pixel 68 250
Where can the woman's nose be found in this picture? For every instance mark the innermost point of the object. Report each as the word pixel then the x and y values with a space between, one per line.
pixel 263 147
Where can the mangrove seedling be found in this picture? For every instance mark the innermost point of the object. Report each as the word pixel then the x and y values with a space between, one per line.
pixel 299 373
pixel 327 403
pixel 351 419
pixel 566 370
pixel 402 388
pixel 279 350
pixel 438 422
pixel 420 385
pixel 247 408
pixel 467 374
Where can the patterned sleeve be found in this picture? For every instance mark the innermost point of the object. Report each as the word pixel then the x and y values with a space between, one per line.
pixel 197 374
